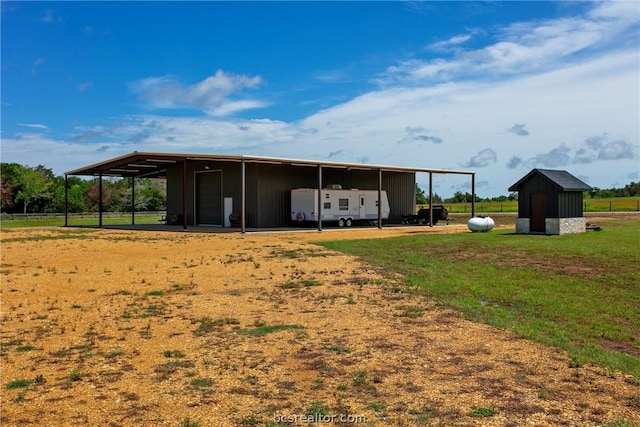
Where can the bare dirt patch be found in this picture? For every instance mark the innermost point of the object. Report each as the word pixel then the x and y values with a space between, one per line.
pixel 118 328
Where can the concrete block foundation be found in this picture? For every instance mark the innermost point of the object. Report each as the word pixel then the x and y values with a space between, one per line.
pixel 557 226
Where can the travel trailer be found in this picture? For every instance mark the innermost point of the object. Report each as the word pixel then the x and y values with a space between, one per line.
pixel 345 207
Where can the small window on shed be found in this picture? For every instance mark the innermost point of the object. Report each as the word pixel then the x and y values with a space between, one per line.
pixel 327 205
pixel 343 204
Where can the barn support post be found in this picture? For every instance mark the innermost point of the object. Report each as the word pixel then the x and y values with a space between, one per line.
pixel 430 199
pixel 319 197
pixel 100 200
pixel 473 195
pixel 184 195
pixel 133 200
pixel 379 199
pixel 66 200
pixel 243 195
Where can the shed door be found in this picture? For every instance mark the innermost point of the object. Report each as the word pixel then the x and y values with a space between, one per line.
pixel 538 212
pixel 209 198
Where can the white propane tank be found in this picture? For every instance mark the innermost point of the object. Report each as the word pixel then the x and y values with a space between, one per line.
pixel 481 223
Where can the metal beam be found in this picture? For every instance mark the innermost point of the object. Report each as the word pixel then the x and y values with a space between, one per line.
pixel 184 194
pixel 380 199
pixel 66 200
pixel 133 201
pixel 243 196
pixel 319 197
pixel 430 199
pixel 100 200
pixel 473 195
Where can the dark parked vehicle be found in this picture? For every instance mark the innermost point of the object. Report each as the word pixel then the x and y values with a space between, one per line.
pixel 440 213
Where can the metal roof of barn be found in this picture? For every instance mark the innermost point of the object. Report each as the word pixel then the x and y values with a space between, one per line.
pixel 155 165
pixel 562 179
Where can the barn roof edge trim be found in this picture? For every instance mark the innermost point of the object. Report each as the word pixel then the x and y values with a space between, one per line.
pixel 154 164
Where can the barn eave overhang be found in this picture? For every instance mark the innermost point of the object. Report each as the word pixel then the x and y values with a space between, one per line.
pixel 155 165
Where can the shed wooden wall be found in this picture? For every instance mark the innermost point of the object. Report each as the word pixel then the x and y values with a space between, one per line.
pixel 560 204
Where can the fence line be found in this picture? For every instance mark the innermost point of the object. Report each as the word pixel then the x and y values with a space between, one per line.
pixel 78 215
pixel 592 205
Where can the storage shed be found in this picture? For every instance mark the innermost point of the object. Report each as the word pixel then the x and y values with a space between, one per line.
pixel 239 191
pixel 550 202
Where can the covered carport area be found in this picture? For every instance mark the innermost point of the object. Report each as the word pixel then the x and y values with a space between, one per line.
pixel 139 165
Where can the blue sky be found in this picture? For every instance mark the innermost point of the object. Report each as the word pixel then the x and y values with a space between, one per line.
pixel 495 87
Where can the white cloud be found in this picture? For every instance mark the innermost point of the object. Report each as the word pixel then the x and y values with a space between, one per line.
pixel 482 159
pixel 519 129
pixel 229 108
pixel 210 94
pixel 453 42
pixel 34 126
pixel 523 47
pixel 32 149
pixel 616 150
pixel 84 86
pixel 50 17
pixel 36 65
pixel 557 157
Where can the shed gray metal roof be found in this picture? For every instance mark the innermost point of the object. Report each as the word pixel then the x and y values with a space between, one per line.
pixel 562 179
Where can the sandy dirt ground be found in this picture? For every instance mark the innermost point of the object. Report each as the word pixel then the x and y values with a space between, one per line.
pixel 124 328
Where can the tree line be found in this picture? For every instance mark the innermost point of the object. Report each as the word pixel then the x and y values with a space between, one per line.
pixel 27 189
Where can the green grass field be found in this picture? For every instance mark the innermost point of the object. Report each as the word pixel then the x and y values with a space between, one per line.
pixel 579 292
pixel 58 221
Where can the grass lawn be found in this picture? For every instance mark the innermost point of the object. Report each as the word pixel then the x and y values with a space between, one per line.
pixel 615 204
pixel 141 218
pixel 579 293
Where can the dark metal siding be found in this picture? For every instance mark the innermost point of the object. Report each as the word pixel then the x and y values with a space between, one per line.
pixel 268 192
pixel 401 191
pixel 174 191
pixel 570 204
pixel 268 189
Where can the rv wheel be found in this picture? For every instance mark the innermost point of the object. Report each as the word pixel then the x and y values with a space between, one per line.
pixel 349 223
pixel 341 222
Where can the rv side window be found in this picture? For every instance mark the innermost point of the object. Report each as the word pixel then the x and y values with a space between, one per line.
pixel 327 205
pixel 343 204
pixel 361 201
